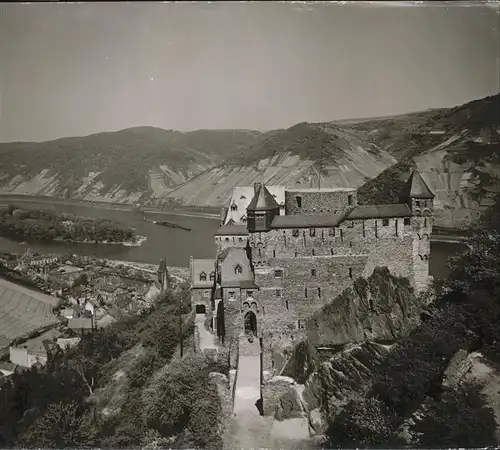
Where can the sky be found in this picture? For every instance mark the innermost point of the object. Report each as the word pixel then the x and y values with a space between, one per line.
pixel 79 68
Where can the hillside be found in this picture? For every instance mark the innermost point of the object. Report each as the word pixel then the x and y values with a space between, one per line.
pixel 123 166
pixel 294 157
pixel 461 164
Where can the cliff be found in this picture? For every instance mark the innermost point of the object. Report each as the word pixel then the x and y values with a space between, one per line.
pixel 381 307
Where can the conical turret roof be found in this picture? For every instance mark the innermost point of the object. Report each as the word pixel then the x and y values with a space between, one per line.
pixel 416 187
pixel 263 200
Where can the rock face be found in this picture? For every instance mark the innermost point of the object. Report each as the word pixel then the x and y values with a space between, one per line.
pixel 382 307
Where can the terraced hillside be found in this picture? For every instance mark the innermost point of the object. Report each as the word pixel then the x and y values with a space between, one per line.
pixel 457 150
pixel 303 155
pixel 123 166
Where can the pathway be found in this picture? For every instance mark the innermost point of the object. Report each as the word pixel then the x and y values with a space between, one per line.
pixel 207 339
pixel 248 429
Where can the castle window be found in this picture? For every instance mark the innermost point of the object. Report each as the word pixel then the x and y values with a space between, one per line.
pixel 350 273
pixel 212 276
pixel 295 233
pixel 295 254
pixel 406 221
pixel 425 203
pixel 425 221
pixel 259 252
pixel 234 207
pixel 249 293
pixel 274 253
pixel 206 294
pixel 231 294
pixel 298 199
pixel 319 292
pixel 263 311
pixel 227 239
pixel 350 224
pixel 385 222
pixel 313 272
pixel 305 292
pixel 238 269
pixel 301 325
pixel 312 232
pixel 286 304
pixel 350 244
pixel 331 232
pixel 312 252
pixel 203 276
pixel 278 273
pixel 349 200
pixel 331 251
pixel 240 239
pixel 277 292
pixel 417 203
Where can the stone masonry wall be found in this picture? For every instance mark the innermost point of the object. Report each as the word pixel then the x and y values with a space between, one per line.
pixel 201 297
pixel 319 202
pixel 223 242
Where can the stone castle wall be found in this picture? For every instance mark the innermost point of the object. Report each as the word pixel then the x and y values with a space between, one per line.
pixel 319 202
pixel 229 241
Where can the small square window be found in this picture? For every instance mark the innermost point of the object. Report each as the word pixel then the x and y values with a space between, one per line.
pixel 249 293
pixel 231 294
pixel 417 203
pixel 301 324
pixel 406 221
pixel 313 272
pixel 295 233
pixel 331 232
pixel 277 292
pixel 385 222
pixel 278 274
pixel 312 232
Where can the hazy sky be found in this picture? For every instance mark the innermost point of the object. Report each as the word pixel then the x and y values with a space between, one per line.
pixel 75 69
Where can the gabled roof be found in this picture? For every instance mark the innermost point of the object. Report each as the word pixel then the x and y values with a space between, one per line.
pixel 306 221
pixel 416 187
pixel 379 211
pixel 199 266
pixel 263 200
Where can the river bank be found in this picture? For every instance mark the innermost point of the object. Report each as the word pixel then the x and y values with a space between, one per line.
pixel 188 211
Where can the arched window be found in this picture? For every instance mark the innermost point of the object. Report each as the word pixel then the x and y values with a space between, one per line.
pixel 203 276
pixel 234 207
pixel 238 269
pixel 298 199
pixel 227 239
pixel 212 276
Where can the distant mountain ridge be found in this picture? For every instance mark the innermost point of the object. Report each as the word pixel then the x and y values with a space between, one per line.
pixel 455 148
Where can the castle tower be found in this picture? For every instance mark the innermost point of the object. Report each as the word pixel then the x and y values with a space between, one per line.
pixel 420 200
pixel 262 209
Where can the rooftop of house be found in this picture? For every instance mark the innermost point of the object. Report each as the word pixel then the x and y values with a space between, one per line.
pixel 232 230
pixel 324 189
pixel 80 323
pixel 23 311
pixel 202 266
pixel 379 211
pixel 241 284
pixel 416 187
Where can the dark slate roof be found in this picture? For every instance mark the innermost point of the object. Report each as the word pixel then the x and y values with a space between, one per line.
pixel 379 211
pixel 306 221
pixel 263 200
pixel 242 284
pixel 416 187
pixel 198 266
pixel 232 230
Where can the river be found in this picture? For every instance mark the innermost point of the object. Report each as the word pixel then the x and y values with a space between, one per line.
pixel 174 244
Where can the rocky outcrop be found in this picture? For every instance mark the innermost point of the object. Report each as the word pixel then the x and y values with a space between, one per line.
pixel 382 307
pixel 458 366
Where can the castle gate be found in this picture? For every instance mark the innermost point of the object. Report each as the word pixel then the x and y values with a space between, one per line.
pixel 250 323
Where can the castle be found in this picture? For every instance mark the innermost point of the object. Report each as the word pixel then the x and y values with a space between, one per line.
pixel 281 254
